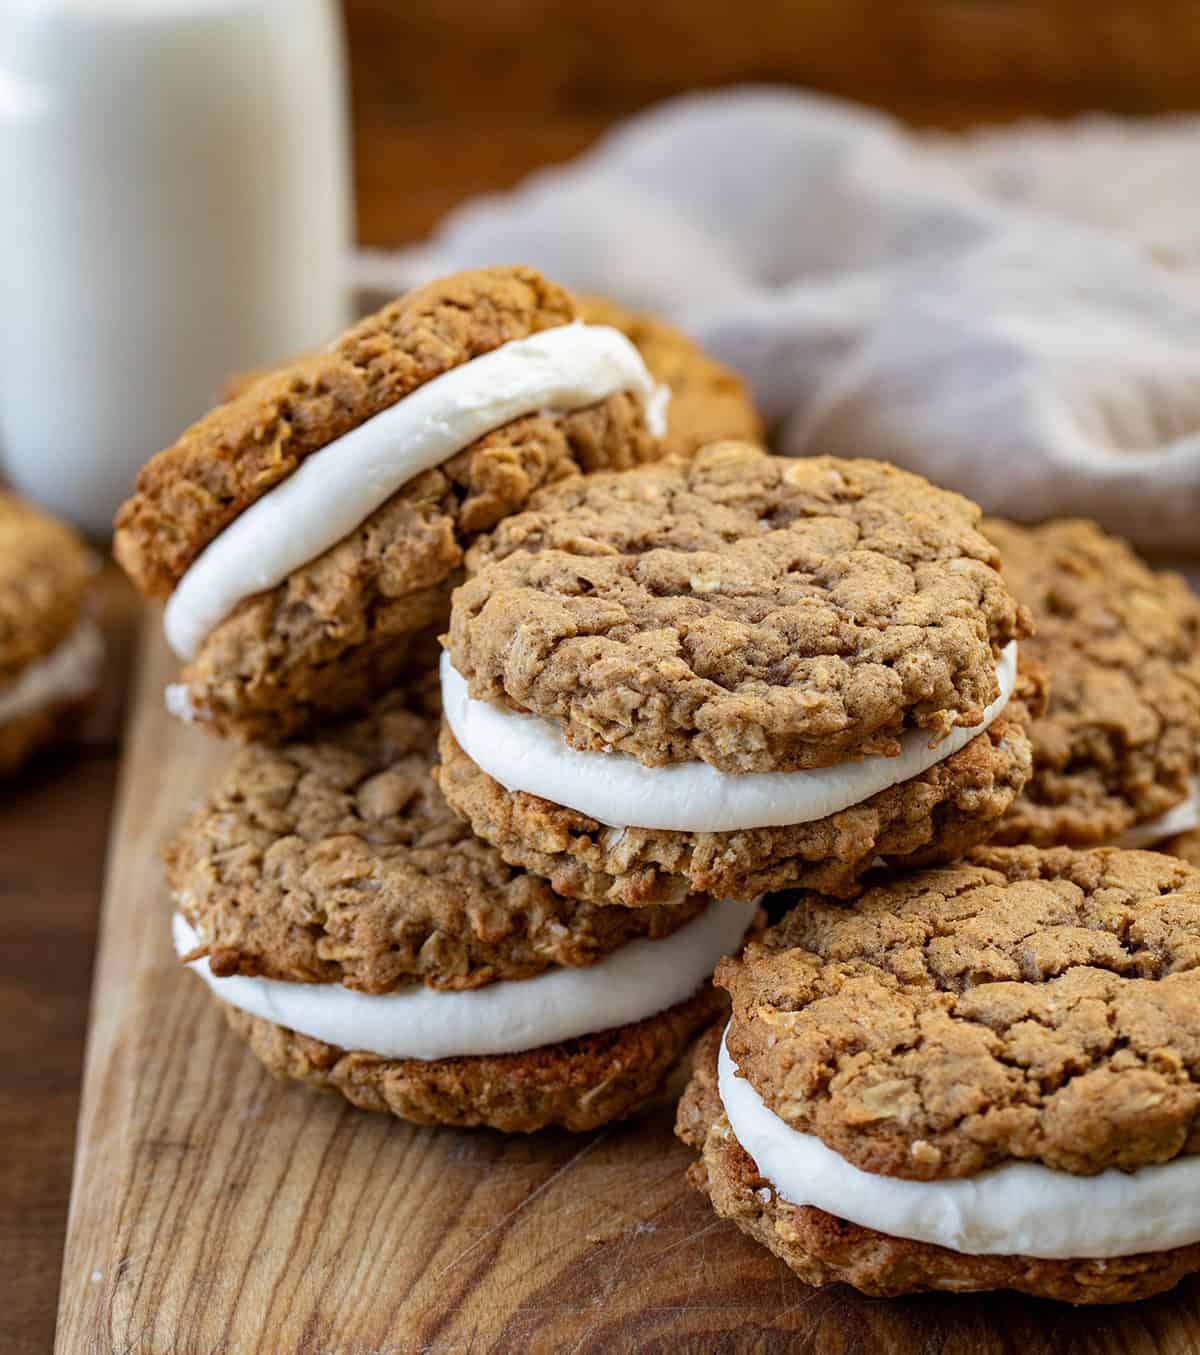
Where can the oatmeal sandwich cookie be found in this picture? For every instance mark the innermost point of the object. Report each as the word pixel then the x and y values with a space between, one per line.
pixel 985 1076
pixel 733 674
pixel 363 941
pixel 1117 751
pixel 709 401
pixel 303 533
pixel 51 651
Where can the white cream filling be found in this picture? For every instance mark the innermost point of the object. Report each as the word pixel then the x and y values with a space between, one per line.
pixel 70 671
pixel 528 753
pixel 331 492
pixel 178 701
pixel 1180 818
pixel 631 983
pixel 1016 1209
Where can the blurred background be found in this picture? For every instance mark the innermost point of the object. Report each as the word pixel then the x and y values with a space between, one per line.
pixel 189 178
pixel 459 97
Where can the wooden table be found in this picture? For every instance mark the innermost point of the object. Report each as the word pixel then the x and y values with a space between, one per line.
pixel 53 840
pixel 215 1212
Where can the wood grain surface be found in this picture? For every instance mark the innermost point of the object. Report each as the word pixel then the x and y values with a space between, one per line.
pixel 53 835
pixel 215 1212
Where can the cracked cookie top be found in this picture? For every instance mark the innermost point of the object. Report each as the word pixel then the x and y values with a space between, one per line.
pixel 339 861
pixel 186 495
pixel 45 570
pixel 1120 738
pixel 754 612
pixel 1024 1004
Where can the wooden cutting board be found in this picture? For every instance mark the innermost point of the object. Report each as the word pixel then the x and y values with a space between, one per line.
pixel 215 1212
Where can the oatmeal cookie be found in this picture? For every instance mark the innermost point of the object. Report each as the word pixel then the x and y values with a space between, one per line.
pixel 1032 1004
pixel 964 1060
pixel 243 448
pixel 750 611
pixel 363 941
pixel 338 861
pixel 580 1084
pixel 50 648
pixel 1119 743
pixel 823 1249
pixel 288 646
pixel 933 817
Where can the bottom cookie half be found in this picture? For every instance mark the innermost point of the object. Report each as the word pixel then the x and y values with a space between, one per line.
pixel 823 1249
pixel 931 818
pixel 579 1084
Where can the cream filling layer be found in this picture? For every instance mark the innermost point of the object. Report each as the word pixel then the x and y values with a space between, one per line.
pixel 528 753
pixel 68 672
pixel 331 492
pixel 1015 1209
pixel 631 983
pixel 1180 818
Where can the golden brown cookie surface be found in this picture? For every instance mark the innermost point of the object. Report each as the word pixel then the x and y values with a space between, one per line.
pixel 332 634
pixel 243 448
pixel 823 1249
pixel 1033 1004
pixel 1119 742
pixel 338 861
pixel 932 817
pixel 755 612
pixel 579 1084
pixel 45 570
pixel 49 668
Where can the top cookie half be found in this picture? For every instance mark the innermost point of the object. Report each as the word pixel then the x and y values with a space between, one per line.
pixel 1041 1005
pixel 302 530
pixel 752 612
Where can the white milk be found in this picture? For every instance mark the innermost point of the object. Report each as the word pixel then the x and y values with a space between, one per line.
pixel 174 207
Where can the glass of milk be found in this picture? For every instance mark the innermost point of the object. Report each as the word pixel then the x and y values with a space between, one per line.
pixel 174 208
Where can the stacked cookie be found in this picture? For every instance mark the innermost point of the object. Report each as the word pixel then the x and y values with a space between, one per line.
pixel 364 941
pixel 983 1076
pixel 737 673
pixel 51 649
pixel 1117 750
pixel 732 674
pixel 490 887
pixel 307 535
pixel 986 1076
